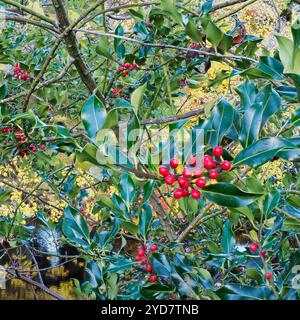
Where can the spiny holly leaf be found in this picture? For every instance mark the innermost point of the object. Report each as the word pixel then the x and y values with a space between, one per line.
pixel 75 227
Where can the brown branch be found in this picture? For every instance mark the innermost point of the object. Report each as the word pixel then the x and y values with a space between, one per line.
pixel 55 47
pixel 169 46
pixel 22 19
pixel 28 280
pixel 162 216
pixel 28 192
pixel 226 4
pixel 169 119
pixel 29 11
pixel 72 46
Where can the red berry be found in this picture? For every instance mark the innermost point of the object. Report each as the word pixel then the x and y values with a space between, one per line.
pixel 135 66
pixel 131 67
pixel 21 139
pixel 124 74
pixel 141 253
pixel 195 194
pixel 269 275
pixel 183 182
pixel 127 65
pixel 263 252
pixel 121 69
pixel 193 161
pixel 34 149
pixel 178 193
pixel 144 261
pixel 164 171
pixel 213 174
pixel 217 151
pixel 42 147
pixel 197 172
pixel 215 164
pixel 208 164
pixel 169 179
pixel 115 91
pixel 187 173
pixel 201 182
pixel 24 76
pixel 207 157
pixel 185 192
pixel 153 248
pixel 253 247
pixel 153 278
pixel 149 269
pixel 138 258
pixel 174 163
pixel 226 165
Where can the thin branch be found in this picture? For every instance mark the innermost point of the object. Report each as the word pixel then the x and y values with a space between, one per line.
pixel 168 46
pixel 22 19
pixel 29 11
pixel 20 276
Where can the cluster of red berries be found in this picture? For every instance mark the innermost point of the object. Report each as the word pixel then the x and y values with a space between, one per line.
pixel 142 258
pixel 23 150
pixel 19 74
pixel 191 176
pixel 122 92
pixel 127 67
pixel 254 247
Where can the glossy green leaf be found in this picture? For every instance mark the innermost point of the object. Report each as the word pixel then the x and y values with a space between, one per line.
pixel 137 97
pixel 228 241
pixel 75 227
pixel 93 116
pixel 170 7
pixel 228 195
pixel 221 119
pixel 261 151
pixel 145 220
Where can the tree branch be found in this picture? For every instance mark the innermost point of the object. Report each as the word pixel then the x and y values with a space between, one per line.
pixel 168 46
pixel 73 49
pixel 29 11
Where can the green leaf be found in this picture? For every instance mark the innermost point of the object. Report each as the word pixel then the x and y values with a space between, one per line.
pixel 103 47
pixel 291 212
pixel 112 232
pixel 228 195
pixel 247 92
pixel 127 189
pixel 221 119
pixel 137 97
pixel 251 124
pixel 3 91
pixel 261 151
pixel 145 220
pixel 192 31
pixel 93 116
pixel 170 7
pixel 161 265
pixel 75 227
pixel 289 51
pixel 233 291
pixel 271 202
pixel 4 195
pixel 228 241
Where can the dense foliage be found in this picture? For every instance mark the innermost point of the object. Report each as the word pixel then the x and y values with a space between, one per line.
pixel 66 75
